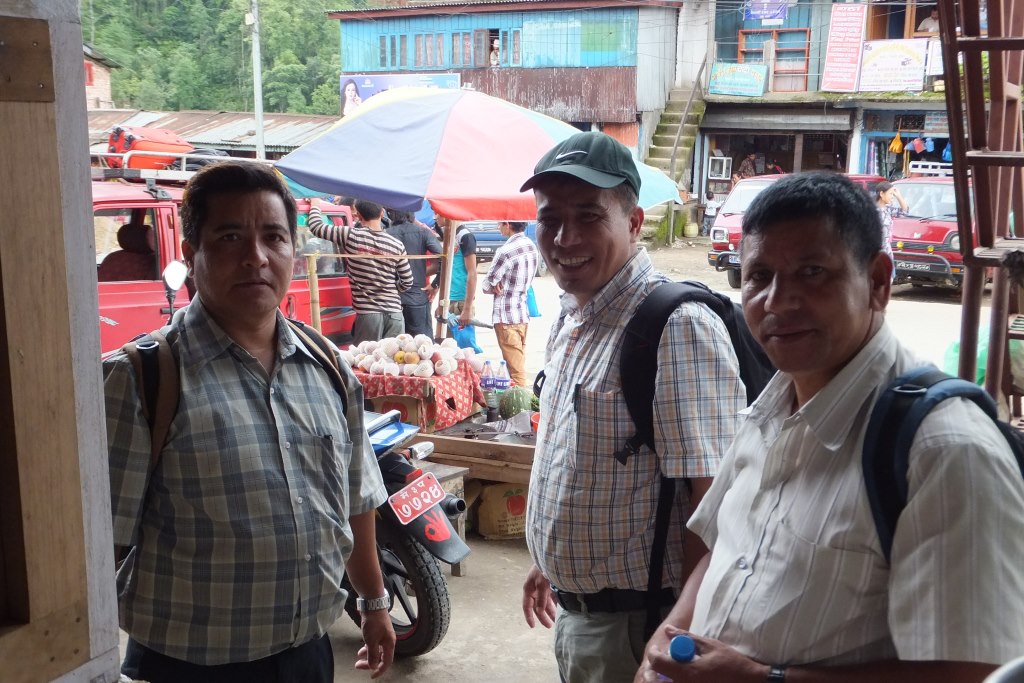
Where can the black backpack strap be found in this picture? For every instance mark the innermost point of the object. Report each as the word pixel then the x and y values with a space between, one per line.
pixel 322 351
pixel 666 496
pixel 638 360
pixel 158 386
pixel 892 426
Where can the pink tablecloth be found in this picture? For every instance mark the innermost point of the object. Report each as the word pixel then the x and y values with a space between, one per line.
pixel 443 401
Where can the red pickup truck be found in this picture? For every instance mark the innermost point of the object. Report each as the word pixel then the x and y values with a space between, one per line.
pixel 925 242
pixel 132 299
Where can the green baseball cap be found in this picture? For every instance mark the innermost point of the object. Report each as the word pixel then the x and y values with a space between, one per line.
pixel 594 158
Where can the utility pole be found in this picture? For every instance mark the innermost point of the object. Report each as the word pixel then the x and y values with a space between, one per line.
pixel 257 77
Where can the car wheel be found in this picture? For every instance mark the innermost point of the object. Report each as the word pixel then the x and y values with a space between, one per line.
pixel 734 278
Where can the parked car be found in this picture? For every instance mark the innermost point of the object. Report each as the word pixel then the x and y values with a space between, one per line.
pixel 133 301
pixel 727 228
pixel 925 242
pixel 489 238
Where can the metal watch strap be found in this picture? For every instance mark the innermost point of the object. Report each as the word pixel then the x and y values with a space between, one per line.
pixel 373 604
pixel 776 674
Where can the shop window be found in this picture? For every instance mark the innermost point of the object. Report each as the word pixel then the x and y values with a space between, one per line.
pixel 786 51
pixel 440 49
pixel 403 44
pixel 383 51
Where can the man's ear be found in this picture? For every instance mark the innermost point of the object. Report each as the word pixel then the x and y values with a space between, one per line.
pixel 188 254
pixel 880 273
pixel 636 221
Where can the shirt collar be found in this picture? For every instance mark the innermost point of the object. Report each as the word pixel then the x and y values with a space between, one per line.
pixel 203 340
pixel 630 277
pixel 832 412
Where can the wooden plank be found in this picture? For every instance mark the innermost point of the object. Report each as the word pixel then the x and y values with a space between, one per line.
pixel 46 648
pixel 476 448
pixel 34 287
pixel 26 65
pixel 486 469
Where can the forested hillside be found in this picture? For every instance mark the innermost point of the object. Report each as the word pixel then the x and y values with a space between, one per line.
pixel 196 54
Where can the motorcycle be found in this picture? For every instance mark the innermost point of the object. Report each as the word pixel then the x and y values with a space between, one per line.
pixel 414 530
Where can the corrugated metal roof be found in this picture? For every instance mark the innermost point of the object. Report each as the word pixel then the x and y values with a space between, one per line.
pixel 447 6
pixel 220 129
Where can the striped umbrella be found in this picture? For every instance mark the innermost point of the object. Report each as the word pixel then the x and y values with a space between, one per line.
pixel 466 152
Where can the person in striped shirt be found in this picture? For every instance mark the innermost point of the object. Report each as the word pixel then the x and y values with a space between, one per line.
pixel 376 282
pixel 510 276
pixel 796 586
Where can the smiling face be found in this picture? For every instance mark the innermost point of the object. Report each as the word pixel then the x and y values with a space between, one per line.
pixel 243 260
pixel 807 300
pixel 584 232
pixel 350 91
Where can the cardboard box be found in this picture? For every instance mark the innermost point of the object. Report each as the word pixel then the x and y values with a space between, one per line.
pixel 413 410
pixel 502 512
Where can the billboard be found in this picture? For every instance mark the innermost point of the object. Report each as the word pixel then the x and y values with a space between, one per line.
pixel 748 80
pixel 356 88
pixel 893 65
pixel 845 42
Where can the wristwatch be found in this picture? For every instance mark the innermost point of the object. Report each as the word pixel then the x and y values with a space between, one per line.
pixel 374 604
pixel 776 674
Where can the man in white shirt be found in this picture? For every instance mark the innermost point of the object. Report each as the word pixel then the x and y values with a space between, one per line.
pixel 930 24
pixel 796 586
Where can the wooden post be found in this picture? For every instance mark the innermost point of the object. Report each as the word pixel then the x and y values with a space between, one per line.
pixel 444 290
pixel 314 290
pixel 59 620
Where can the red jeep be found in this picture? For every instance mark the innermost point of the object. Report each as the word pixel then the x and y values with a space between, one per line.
pixel 138 232
pixel 925 242
pixel 727 229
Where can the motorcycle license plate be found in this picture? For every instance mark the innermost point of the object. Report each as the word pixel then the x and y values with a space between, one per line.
pixel 416 498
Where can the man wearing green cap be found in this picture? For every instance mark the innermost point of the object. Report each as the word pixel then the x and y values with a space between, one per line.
pixel 590 517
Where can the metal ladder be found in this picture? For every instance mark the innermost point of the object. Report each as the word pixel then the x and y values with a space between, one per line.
pixel 988 151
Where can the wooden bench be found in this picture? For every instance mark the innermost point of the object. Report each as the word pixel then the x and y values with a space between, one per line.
pixel 485 459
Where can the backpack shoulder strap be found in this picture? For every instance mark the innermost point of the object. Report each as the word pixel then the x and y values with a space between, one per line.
pixel 158 385
pixel 322 351
pixel 892 426
pixel 638 359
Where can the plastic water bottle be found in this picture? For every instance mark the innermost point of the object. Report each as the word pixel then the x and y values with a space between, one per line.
pixel 502 381
pixel 681 649
pixel 487 385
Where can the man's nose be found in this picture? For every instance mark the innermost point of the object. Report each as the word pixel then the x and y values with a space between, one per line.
pixel 255 253
pixel 781 295
pixel 568 235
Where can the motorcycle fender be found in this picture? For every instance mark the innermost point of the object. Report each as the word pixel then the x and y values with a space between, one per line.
pixel 432 530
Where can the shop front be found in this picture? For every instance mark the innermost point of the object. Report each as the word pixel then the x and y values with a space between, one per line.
pixel 899 144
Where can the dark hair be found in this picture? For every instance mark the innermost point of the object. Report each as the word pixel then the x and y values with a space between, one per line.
pixel 397 216
pixel 709 194
pixel 227 177
pixel 829 196
pixel 879 188
pixel 367 210
pixel 345 85
pixel 517 226
pixel 626 196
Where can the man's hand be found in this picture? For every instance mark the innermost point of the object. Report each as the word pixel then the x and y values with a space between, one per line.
pixel 379 635
pixel 538 599
pixel 439 313
pixel 465 317
pixel 431 291
pixel 715 662
pixel 659 641
pixel 497 289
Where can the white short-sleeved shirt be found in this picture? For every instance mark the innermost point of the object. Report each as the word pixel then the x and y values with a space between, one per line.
pixel 797 574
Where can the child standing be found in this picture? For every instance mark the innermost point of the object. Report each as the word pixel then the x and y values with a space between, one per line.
pixel 711 206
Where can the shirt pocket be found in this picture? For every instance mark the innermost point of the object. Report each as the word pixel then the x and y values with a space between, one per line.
pixel 330 476
pixel 602 427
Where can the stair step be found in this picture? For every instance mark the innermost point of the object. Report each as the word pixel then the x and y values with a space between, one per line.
pixel 675 117
pixel 665 152
pixel 659 140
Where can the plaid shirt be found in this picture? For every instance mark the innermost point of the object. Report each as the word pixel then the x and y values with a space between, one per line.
pixel 515 264
pixel 590 520
pixel 242 539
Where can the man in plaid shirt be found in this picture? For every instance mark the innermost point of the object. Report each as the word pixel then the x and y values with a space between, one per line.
pixel 510 276
pixel 590 517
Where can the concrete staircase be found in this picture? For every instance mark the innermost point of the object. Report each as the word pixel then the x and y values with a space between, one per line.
pixel 660 153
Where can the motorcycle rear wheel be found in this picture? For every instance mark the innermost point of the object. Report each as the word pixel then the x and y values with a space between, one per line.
pixel 421 606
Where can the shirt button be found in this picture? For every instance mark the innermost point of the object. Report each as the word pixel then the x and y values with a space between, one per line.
pixel 309 558
pixel 271 391
pixel 287 444
pixel 741 563
pixel 300 500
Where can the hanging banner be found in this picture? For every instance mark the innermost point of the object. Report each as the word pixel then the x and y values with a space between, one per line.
pixel 748 80
pixel 893 65
pixel 845 43
pixel 355 88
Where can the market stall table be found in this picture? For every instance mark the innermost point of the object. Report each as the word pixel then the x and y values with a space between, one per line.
pixel 435 402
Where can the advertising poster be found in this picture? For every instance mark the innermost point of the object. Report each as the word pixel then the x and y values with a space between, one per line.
pixel 357 88
pixel 845 42
pixel 747 80
pixel 893 65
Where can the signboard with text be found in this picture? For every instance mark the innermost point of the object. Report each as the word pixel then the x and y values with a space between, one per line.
pixel 748 80
pixel 845 42
pixel 893 65
pixel 356 88
pixel 766 9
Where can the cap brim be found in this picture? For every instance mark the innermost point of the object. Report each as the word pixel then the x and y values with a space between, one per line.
pixel 584 173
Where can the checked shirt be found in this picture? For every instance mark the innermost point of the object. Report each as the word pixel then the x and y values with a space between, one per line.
pixel 242 538
pixel 515 263
pixel 590 519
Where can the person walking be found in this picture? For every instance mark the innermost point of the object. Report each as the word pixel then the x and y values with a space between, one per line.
pixel 419 240
pixel 796 586
pixel 508 279
pixel 376 282
pixel 265 490
pixel 591 518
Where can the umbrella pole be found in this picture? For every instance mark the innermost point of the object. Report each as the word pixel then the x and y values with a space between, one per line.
pixel 444 289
